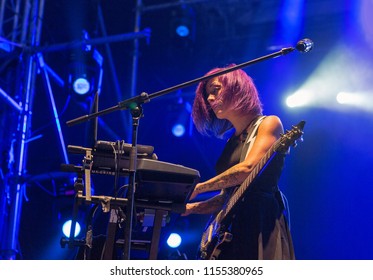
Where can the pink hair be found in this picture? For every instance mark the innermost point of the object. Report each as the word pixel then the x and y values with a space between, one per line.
pixel 239 92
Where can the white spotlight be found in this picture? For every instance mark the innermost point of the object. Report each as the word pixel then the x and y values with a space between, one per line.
pixel 298 99
pixel 174 240
pixel 349 98
pixel 81 86
pixel 67 226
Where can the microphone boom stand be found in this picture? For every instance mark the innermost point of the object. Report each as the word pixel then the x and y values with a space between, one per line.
pixel 134 104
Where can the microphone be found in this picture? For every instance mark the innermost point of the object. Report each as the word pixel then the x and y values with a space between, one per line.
pixel 304 45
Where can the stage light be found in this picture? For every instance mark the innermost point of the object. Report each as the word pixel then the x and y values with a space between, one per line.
pixel 182 120
pixel 178 130
pixel 353 98
pixel 338 83
pixel 299 99
pixel 174 240
pixel 66 227
pixel 183 22
pixel 85 70
pixel 361 100
pixel 81 86
pixel 182 30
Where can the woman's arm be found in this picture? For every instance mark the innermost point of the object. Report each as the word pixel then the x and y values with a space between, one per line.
pixel 269 131
pixel 207 206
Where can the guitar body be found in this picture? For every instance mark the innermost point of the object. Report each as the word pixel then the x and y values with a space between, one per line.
pixel 213 249
pixel 214 239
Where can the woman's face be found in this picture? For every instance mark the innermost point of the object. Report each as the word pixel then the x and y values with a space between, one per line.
pixel 213 88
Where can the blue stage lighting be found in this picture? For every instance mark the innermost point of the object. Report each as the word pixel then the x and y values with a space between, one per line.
pixel 183 22
pixel 81 86
pixel 182 30
pixel 178 130
pixel 85 70
pixel 67 226
pixel 174 240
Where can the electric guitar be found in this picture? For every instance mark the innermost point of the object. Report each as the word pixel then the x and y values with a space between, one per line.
pixel 216 236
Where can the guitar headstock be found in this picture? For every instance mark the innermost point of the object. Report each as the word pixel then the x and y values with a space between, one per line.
pixel 291 137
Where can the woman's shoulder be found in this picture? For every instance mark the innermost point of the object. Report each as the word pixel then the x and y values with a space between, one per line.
pixel 271 122
pixel 271 118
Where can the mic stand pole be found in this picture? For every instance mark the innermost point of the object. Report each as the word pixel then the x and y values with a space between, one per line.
pixel 136 114
pixel 134 104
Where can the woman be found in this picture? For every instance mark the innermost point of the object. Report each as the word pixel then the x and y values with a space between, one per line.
pixel 257 227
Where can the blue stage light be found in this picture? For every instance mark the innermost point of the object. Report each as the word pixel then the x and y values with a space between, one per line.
pixel 183 22
pixel 81 86
pixel 178 130
pixel 85 70
pixel 67 226
pixel 182 30
pixel 174 240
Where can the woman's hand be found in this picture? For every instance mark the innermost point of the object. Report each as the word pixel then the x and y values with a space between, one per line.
pixel 188 209
pixel 195 192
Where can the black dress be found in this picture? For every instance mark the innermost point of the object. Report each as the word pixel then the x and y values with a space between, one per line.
pixel 258 224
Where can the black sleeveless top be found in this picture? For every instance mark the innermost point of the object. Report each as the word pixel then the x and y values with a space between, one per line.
pixel 258 226
pixel 231 155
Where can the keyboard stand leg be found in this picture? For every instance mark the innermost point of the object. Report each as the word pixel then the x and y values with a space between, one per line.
pixel 111 234
pixel 157 227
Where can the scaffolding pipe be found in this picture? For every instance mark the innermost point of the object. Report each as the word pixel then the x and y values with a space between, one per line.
pixel 10 100
pixel 135 57
pixel 24 132
pixel 54 108
pixel 96 41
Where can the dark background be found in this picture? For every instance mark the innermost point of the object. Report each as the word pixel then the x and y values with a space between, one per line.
pixel 327 178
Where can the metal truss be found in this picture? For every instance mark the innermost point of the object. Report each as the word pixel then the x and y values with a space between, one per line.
pixel 20 33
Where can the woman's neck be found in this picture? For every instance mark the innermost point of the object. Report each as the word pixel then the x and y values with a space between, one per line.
pixel 241 123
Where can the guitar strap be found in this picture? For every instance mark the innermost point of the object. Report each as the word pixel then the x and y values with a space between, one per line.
pixel 250 139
